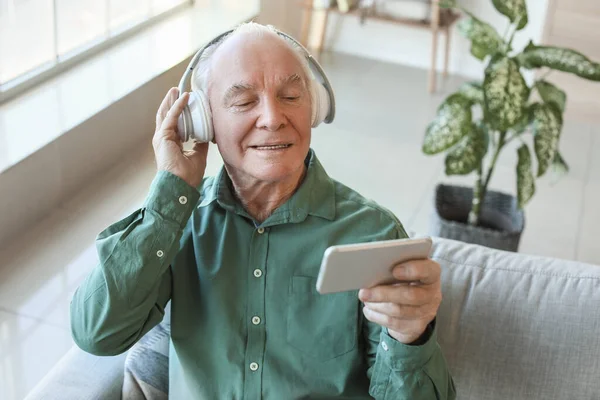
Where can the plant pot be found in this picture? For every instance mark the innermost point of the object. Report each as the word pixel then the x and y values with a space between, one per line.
pixel 501 221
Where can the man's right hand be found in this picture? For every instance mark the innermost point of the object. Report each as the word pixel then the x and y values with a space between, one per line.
pixel 168 149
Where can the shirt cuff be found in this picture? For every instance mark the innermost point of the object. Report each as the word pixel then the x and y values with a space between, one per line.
pixel 172 198
pixel 403 357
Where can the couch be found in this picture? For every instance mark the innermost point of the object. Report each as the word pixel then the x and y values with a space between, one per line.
pixel 512 326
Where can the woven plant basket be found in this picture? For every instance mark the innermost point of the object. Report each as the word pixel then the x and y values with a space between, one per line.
pixel 501 222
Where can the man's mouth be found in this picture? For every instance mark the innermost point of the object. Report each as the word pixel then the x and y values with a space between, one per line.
pixel 272 147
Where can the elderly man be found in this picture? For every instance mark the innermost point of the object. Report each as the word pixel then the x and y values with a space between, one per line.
pixel 237 255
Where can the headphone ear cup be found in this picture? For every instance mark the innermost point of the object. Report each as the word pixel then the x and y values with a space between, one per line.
pixel 320 103
pixel 197 116
pixel 182 122
pixel 201 117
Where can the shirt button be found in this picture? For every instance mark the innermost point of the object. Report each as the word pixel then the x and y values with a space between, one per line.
pixel 385 346
pixel 256 320
pixel 257 273
pixel 160 253
pixel 183 200
pixel 261 230
pixel 253 366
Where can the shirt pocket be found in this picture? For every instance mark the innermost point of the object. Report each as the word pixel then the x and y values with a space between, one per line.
pixel 321 326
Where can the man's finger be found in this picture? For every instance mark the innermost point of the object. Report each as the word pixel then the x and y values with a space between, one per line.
pixel 170 121
pixel 399 311
pixel 397 294
pixel 425 272
pixel 165 106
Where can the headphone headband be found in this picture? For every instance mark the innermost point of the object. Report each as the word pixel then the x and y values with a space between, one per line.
pixel 315 67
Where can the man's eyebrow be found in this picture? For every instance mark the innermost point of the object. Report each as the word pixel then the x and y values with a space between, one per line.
pixel 236 89
pixel 241 87
pixel 294 78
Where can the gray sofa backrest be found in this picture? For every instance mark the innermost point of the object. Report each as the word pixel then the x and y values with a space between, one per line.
pixel 514 326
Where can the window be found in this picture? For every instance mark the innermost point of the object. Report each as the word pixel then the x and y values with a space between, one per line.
pixel 37 37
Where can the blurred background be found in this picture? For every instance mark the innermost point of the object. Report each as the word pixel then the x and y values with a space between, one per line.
pixel 80 83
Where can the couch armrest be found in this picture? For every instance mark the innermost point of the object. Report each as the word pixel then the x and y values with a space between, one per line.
pixel 82 376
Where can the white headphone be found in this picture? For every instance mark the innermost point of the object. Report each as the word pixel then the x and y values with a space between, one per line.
pixel 195 122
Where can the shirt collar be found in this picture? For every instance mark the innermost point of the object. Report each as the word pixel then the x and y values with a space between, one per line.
pixel 315 196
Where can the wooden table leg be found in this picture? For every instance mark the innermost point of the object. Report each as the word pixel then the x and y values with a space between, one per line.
pixel 435 19
pixel 447 52
pixel 306 21
pixel 323 32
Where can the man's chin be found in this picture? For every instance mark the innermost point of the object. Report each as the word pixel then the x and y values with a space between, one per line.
pixel 276 171
pixel 273 174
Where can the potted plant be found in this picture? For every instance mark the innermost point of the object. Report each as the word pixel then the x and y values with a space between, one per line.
pixel 503 99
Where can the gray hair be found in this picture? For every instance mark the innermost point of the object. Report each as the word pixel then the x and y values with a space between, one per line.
pixel 200 75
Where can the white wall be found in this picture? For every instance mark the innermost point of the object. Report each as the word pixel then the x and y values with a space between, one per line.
pixel 285 15
pixel 412 46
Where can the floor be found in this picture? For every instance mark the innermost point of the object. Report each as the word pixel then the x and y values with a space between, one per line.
pixel 373 146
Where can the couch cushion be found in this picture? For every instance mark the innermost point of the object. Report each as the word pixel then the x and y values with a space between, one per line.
pixel 514 326
pixel 147 366
pixel 82 376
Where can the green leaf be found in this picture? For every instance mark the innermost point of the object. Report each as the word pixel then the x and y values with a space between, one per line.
pixel 467 155
pixel 559 167
pixel 566 60
pixel 522 124
pixel 525 179
pixel 552 94
pixel 515 10
pixel 478 51
pixel 452 122
pixel 547 124
pixel 486 136
pixel 472 91
pixel 484 38
pixel 447 4
pixel 505 94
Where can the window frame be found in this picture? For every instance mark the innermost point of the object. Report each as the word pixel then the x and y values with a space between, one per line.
pixel 62 63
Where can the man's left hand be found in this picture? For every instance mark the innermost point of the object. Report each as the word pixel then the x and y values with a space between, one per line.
pixel 406 307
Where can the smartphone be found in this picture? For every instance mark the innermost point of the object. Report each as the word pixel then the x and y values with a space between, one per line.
pixel 364 265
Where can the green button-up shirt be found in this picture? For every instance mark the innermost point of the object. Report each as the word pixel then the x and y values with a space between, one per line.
pixel 246 319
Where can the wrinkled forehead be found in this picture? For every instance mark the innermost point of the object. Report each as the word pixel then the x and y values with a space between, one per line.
pixel 256 59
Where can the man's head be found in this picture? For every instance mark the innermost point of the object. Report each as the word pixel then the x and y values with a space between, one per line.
pixel 258 87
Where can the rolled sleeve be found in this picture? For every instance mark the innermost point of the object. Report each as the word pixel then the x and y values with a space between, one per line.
pixel 403 357
pixel 172 198
pixel 415 372
pixel 125 295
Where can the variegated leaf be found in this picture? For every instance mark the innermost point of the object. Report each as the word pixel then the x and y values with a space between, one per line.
pixel 559 167
pixel 505 94
pixel 566 60
pixel 552 94
pixel 472 91
pixel 525 179
pixel 547 124
pixel 467 154
pixel 484 38
pixel 523 123
pixel 452 122
pixel 515 10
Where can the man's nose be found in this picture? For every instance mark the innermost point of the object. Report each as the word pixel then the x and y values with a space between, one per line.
pixel 271 116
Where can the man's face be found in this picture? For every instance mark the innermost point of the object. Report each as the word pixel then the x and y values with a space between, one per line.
pixel 261 107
